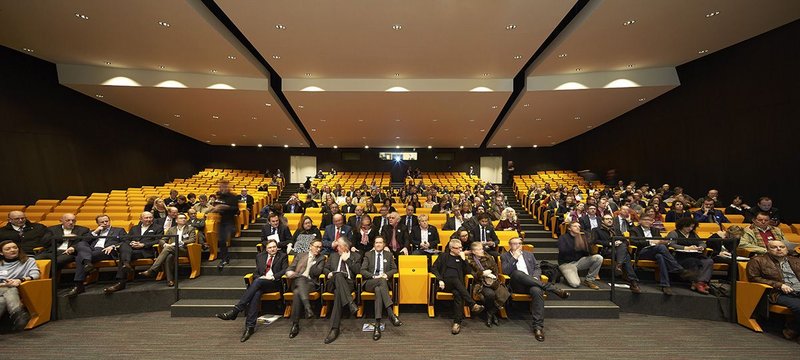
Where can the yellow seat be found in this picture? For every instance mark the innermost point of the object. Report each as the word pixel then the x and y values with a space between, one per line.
pixel 748 296
pixel 37 296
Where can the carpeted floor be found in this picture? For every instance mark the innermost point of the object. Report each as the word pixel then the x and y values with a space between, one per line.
pixel 158 336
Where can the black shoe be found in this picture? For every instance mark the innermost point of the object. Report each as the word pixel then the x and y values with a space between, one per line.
pixel 88 268
pixel 78 289
pixel 561 293
pixel 667 290
pixel 488 320
pixel 494 320
pixel 394 319
pixel 228 315
pixel 248 332
pixel 353 308
pixel 332 335
pixel 114 288
pixel 147 273
pixel 19 320
pixel 309 313
pixel 538 334
pixel 221 265
pixel 294 330
pixel 376 334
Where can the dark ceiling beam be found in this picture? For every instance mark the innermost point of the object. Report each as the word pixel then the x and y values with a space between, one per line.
pixel 275 80
pixel 521 77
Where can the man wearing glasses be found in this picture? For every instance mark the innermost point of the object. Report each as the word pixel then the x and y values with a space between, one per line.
pixel 449 269
pixel 304 272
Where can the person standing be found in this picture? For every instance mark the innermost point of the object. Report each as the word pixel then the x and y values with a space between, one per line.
pixel 227 206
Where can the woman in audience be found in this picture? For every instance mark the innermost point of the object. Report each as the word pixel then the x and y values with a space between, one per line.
pixel 403 195
pixel 414 201
pixel 678 211
pixel 737 206
pixel 486 287
pixel 303 236
pixel 388 204
pixel 150 202
pixel 722 242
pixel 656 203
pixel 442 207
pixel 429 203
pixel 576 192
pixel 575 214
pixel 15 268
pixel 509 221
pixel 159 209
pixel 658 219
pixel 689 251
pixel 166 256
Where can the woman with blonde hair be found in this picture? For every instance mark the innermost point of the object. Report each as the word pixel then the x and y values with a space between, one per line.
pixel 509 220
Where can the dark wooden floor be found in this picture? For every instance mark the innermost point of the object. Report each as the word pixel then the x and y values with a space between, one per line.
pixel 156 335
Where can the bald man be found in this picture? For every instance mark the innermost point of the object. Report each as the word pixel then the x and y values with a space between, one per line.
pixel 66 236
pixel 338 229
pixel 26 234
pixel 355 220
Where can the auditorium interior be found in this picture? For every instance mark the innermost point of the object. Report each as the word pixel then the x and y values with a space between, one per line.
pixel 556 178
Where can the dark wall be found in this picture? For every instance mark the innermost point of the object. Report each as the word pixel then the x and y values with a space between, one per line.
pixel 57 142
pixel 732 125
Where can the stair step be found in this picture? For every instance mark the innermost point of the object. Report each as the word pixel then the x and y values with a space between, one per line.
pixel 237 267
pixel 213 287
pixel 581 309
pixel 543 243
pixel 200 307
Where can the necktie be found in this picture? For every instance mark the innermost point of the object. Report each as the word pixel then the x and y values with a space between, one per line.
pixel 269 263
pixel 358 220
pixel 408 221
pixel 364 237
pixel 379 265
pixel 483 235
pixel 21 232
pixel 337 234
pixel 394 239
pixel 274 231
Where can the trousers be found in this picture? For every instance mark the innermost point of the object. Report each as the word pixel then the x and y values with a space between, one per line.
pixel 382 299
pixel 570 270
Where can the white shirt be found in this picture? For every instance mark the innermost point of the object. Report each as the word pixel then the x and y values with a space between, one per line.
pixel 521 265
pixel 423 236
pixel 16 228
pixel 167 223
pixel 593 222
pixel 144 229
pixel 180 235
pixel 458 222
pixel 65 243
pixel 101 242
pixel 347 268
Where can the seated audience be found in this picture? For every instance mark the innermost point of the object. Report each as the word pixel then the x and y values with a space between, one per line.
pixel 333 232
pixel 15 268
pixel 277 231
pixel 409 219
pixel 678 211
pixel 759 234
pixel 28 235
pixel 509 221
pixel 591 220
pixel 247 199
pixel 737 206
pixel 723 244
pixel 327 217
pixel 574 255
pixel 304 271
pixel 485 234
pixel 294 205
pixel 603 235
pixel 105 245
pixel 304 235
pixel 202 205
pixel 689 249
pixel 396 234
pixel 454 222
pixel 377 267
pixel 66 236
pixel 160 209
pixel 623 220
pixel 200 225
pixel 151 201
pixel 348 207
pixel 172 199
pixel 364 236
pixel 656 249
pixel 191 198
pixel 169 220
pixel 171 246
pixel 182 204
pixel 764 204
pixel 450 268
pixel 782 273
pixel 341 269
pixel 355 220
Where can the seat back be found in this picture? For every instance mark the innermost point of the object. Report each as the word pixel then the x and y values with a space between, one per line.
pixel 44 268
pixel 413 264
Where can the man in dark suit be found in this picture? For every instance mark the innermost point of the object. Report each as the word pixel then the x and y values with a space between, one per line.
pixel 424 237
pixel 396 235
pixel 275 230
pixel 244 197
pixel 172 199
pixel 379 222
pixel 103 247
pixel 294 205
pixel 66 236
pixel 377 268
pixel 199 224
pixel 349 207
pixel 270 267
pixel 304 273
pixel 454 222
pixel 379 197
pixel 138 248
pixel 327 217
pixel 409 219
pixel 364 235
pixel 485 234
pixel 623 220
pixel 590 220
pixel 526 278
pixel 26 234
pixel 657 250
pixel 335 231
pixel 351 192
pixel 167 222
pixel 341 270
pixel 449 269
pixel 355 220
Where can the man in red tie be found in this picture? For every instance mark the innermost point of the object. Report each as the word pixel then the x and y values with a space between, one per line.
pixel 397 235
pixel 333 232
pixel 270 267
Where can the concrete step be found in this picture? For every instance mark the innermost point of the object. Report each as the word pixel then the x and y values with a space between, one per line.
pixel 213 287
pixel 200 307
pixel 581 309
pixel 542 243
pixel 237 267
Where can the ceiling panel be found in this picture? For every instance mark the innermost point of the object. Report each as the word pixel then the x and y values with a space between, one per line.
pixel 356 38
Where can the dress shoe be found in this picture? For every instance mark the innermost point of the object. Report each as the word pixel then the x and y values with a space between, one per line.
pixel 170 283
pixel 221 265
pixel 789 334
pixel 488 320
pixel 376 334
pixel 667 290
pixel 294 330
pixel 538 334
pixel 75 291
pixel 495 322
pixel 353 308
pixel 228 315
pixel 477 308
pixel 114 288
pixel 19 320
pixel 248 332
pixel 394 319
pixel 591 284
pixel 147 273
pixel 309 313
pixel 332 335
pixel 635 287
pixel 561 293
pixel 88 268
pixel 456 328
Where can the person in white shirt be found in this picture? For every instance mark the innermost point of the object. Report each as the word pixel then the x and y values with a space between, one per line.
pixel 170 246
pixel 66 235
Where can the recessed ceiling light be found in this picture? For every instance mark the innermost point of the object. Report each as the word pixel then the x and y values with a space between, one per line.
pixel 280 27
pixel 177 115
pixel 465 138
pixel 301 106
pixel 471 120
pixel 430 137
pixel 511 27
pixel 629 22
pixel 166 124
pixel 494 144
pixel 162 67
pixel 366 146
pixel 323 120
pixel 289 129
pixel 527 105
pixel 702 51
pixel 519 137
pixel 631 65
pixel 233 145
pixel 259 145
pixel 494 106
pixel 538 119
pixel 578 69
pixel 548 136
pixel 430 147
pixel 482 130
pixel 231 57
pixel 308 74
pixel 397 146
pixel 397 27
pixel 461 147
pixel 164 23
pixel 253 117
pixel 276 57
pixel 208 141
pixel 99 96
pixel 642 99
pixel 506 129
pixel 214 117
pixel 577 118
pixel 363 137
pixel 588 126
pixel 562 55
pixel 268 104
pixel 360 120
pixel 213 71
pixel 286 145
pixel 552 143
pixel 313 130
pixel 213 135
pixel 81 16
pixel 397 137
pixel 517 57
pixel 27 49
pixel 435 120
pixel 535 146
pixel 508 146
pixel 335 146
pixel 486 74
pixel 275 136
pixel 711 14
pixel 396 74
pixel 107 62
pixel 244 135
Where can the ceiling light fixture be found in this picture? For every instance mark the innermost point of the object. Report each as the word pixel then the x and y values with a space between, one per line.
pixel 313 130
pixel 335 146
pixel 213 71
pixel 233 145
pixel 511 27
pixel 259 145
pixel 301 107
pixel 578 69
pixel 166 124
pixel 253 117
pixel 562 55
pixel 535 146
pixel 162 67
pixel 214 117
pixel 461 147
pixel 177 115
pixel 430 147
pixel 366 146
pixel 396 74
pixel 482 130
pixel 712 14
pixel 538 119
pixel 702 51
pixel 508 146
pixel 99 96
pixel 631 65
pixel 527 105
pixel 268 104
pixel 276 57
pixel 164 24
pixel 494 106
pixel 588 126
pixel 208 141
pixel 286 145
pixel 629 22
pixel 577 118
pixel 214 135
pixel 107 62
pixel 288 129
pixel 81 16
pixel 308 74
pixel 280 27
pixel 642 99
pixel 397 27
pixel 27 50
pixel 231 57
pixel 397 146
pixel 517 57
